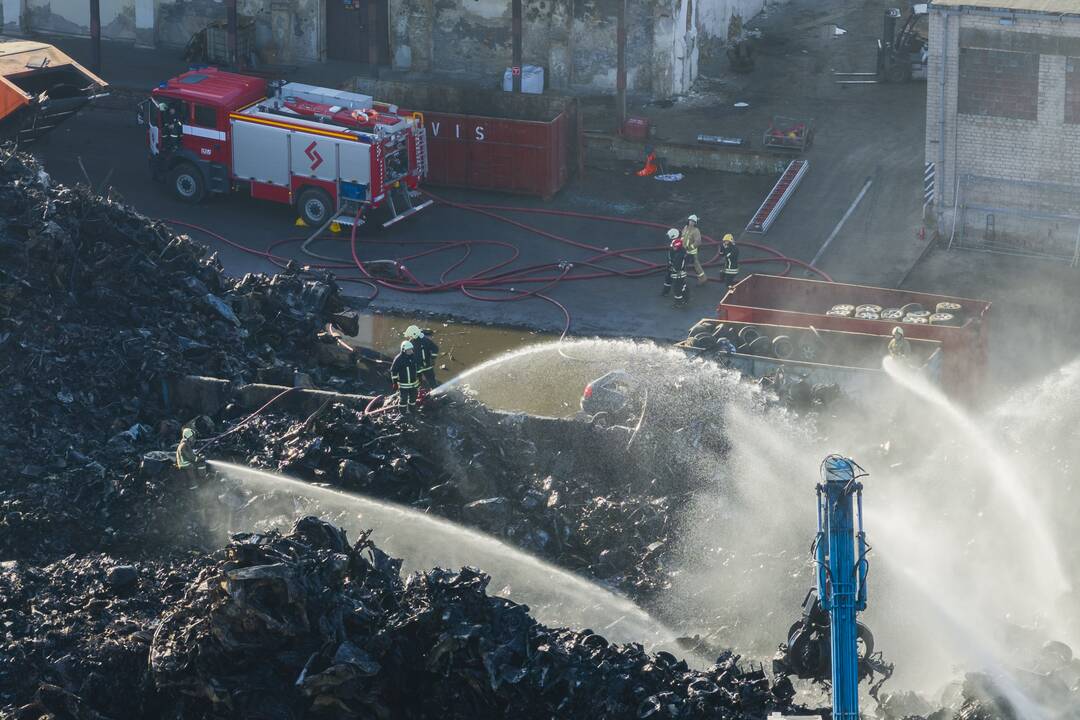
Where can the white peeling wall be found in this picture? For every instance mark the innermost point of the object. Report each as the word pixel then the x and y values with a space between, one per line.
pixel 715 19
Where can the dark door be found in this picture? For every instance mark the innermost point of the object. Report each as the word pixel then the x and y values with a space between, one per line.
pixel 352 26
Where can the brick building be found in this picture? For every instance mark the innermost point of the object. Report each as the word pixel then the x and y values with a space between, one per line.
pixel 1003 124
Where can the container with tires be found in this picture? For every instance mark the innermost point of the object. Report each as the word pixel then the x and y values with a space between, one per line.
pixel 774 300
pixel 850 360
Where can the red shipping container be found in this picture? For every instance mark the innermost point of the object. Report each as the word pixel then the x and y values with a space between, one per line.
pixel 804 303
pixel 490 153
pixel 510 142
pixel 636 128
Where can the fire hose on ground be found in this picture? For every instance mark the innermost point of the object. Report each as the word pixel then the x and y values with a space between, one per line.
pixel 497 278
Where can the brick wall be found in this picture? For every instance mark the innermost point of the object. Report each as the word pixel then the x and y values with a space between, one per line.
pixel 1028 129
pixel 999 83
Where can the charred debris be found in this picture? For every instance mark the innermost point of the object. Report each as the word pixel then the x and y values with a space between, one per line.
pixel 116 599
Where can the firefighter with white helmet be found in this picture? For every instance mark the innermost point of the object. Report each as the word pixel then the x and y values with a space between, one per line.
pixel 406 379
pixel 691 238
pixel 675 279
pixel 899 346
pixel 426 354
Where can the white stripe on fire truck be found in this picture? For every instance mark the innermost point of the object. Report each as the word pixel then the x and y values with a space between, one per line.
pixel 203 132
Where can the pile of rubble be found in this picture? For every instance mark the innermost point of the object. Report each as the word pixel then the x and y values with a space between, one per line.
pixel 99 307
pixel 305 625
pixel 75 634
pixel 543 485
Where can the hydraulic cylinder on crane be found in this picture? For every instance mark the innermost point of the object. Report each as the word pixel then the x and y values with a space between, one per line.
pixel 841 560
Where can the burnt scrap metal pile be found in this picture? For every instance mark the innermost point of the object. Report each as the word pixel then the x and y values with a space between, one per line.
pixel 99 309
pixel 541 484
pixel 115 601
pixel 311 626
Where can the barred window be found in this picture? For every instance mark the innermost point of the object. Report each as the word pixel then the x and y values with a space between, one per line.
pixel 999 83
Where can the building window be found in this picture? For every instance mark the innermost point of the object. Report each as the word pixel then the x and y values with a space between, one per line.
pixel 1072 91
pixel 999 83
pixel 205 116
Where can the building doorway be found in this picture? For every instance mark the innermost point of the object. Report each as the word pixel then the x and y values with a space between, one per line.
pixel 352 26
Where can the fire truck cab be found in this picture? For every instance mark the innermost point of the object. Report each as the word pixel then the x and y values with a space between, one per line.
pixel 333 155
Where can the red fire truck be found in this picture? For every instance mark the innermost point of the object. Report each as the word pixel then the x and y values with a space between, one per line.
pixel 333 155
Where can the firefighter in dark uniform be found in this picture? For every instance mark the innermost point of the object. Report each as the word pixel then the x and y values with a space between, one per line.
pixel 406 379
pixel 731 260
pixel 172 128
pixel 427 352
pixel 675 279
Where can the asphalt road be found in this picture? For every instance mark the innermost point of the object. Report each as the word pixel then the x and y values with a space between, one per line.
pixel 863 133
pixel 111 148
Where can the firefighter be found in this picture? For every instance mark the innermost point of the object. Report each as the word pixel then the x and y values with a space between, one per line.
pixel 899 346
pixel 691 238
pixel 404 375
pixel 426 353
pixel 676 269
pixel 186 457
pixel 731 260
pixel 173 128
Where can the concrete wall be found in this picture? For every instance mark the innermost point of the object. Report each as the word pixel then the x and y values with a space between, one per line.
pixel 1045 149
pixel 721 20
pixel 286 31
pixel 720 159
pixel 14 16
pixel 72 17
pixel 574 40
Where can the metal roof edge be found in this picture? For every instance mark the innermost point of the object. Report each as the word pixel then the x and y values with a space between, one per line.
pixel 1048 7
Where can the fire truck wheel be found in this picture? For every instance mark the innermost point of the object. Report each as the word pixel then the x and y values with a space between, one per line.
pixel 314 206
pixel 187 183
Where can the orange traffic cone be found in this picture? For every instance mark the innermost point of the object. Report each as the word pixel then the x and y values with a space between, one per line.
pixel 650 166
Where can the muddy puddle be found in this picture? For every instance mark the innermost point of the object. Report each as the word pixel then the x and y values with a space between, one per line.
pixel 464 346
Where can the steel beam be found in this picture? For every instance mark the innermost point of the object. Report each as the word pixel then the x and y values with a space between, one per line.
pixel 620 63
pixel 373 37
pixel 516 40
pixel 231 30
pixel 95 36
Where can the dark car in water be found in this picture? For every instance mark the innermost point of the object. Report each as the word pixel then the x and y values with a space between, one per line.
pixel 615 396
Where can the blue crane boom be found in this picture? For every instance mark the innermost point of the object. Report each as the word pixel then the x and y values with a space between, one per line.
pixel 841 583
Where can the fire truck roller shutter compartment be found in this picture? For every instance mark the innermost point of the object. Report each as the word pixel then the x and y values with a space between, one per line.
pixel 260 153
pixel 355 163
pixel 315 156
